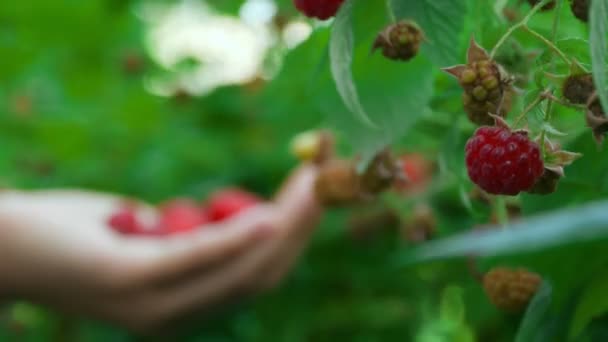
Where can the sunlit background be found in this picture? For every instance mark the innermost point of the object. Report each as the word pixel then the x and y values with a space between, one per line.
pixel 216 49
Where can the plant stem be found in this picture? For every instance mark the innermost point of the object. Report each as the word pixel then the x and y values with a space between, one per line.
pixel 552 98
pixel 500 207
pixel 543 151
pixel 547 42
pixel 514 28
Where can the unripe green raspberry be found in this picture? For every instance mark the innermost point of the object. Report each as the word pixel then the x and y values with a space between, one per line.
pixel 400 41
pixel 486 88
pixel 511 290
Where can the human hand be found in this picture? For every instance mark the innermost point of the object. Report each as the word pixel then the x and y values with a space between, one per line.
pixel 56 249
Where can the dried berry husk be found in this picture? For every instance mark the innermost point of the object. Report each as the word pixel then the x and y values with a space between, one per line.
pixel 596 118
pixel 487 87
pixel 547 183
pixel 338 183
pixel 422 226
pixel 400 41
pixel 383 171
pixel 366 226
pixel 549 6
pixel 511 290
pixel 578 88
pixel 580 9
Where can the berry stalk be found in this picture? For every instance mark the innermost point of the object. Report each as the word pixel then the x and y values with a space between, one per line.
pixel 547 42
pixel 515 27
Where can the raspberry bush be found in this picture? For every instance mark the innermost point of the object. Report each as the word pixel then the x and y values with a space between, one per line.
pixel 469 133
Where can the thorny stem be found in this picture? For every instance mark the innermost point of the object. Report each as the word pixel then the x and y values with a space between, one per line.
pixel 547 42
pixel 527 110
pixel 557 100
pixel 549 108
pixel 514 28
pixel 543 132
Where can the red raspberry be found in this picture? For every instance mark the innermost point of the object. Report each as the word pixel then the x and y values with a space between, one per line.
pixel 125 222
pixel 418 172
pixel 181 215
pixel 322 9
pixel 503 162
pixel 229 202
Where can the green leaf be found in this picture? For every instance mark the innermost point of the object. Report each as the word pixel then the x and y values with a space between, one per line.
pixel 452 305
pixel 559 227
pixel 598 23
pixel 442 22
pixel 341 46
pixel 593 303
pixel 395 95
pixel 535 314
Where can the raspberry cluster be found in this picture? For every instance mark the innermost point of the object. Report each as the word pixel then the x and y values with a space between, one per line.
pixel 183 215
pixel 511 290
pixel 400 41
pixel 503 162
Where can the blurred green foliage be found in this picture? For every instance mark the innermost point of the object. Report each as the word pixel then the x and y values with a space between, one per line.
pixel 74 112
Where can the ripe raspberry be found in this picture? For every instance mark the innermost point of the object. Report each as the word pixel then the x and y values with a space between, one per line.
pixel 580 9
pixel 511 290
pixel 578 88
pixel 229 202
pixel 546 7
pixel 181 215
pixel 321 9
pixel 503 162
pixel 400 41
pixel 418 172
pixel 486 88
pixel 125 222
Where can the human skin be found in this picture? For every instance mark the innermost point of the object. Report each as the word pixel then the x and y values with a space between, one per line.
pixel 57 250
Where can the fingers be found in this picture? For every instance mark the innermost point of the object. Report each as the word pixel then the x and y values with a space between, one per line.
pixel 297 201
pixel 294 214
pixel 300 213
pixel 223 284
pixel 164 260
